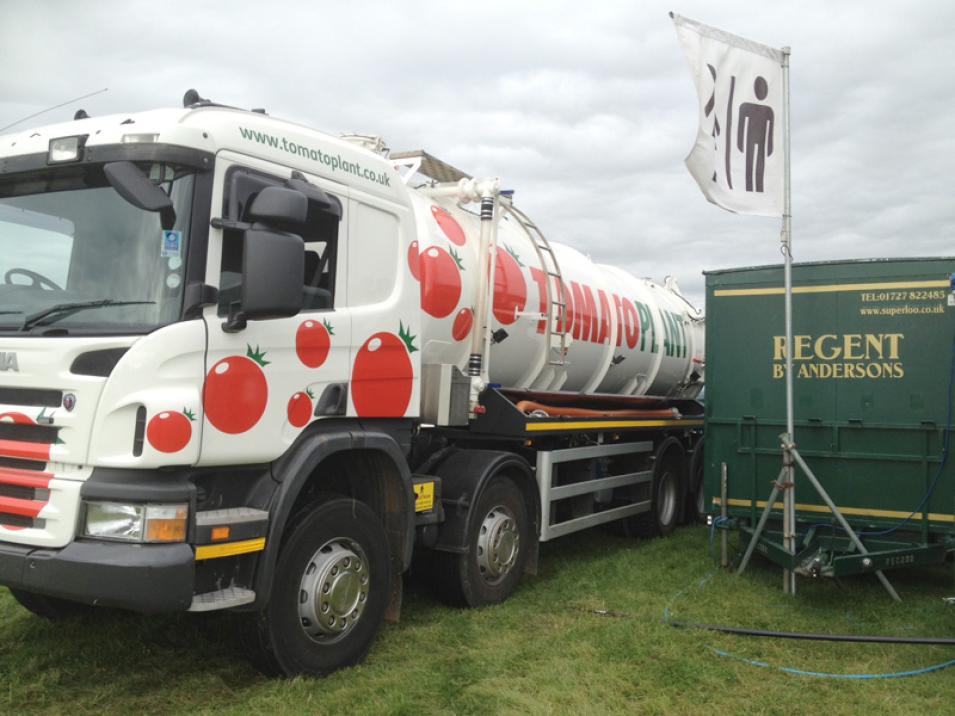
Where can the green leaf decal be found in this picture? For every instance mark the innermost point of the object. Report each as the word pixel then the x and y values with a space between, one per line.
pixel 257 355
pixel 514 255
pixel 405 335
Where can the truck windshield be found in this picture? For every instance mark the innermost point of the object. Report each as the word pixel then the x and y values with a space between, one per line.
pixel 76 256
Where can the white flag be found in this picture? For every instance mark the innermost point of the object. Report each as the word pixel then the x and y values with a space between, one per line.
pixel 738 159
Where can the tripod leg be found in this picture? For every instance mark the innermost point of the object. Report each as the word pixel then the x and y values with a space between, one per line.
pixel 762 523
pixel 842 521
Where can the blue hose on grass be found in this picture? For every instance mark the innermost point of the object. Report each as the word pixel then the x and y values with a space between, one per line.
pixel 714 525
pixel 825 675
pixel 787 669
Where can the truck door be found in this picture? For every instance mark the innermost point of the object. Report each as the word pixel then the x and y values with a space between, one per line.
pixel 266 382
pixel 384 305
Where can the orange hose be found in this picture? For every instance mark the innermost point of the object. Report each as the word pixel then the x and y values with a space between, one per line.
pixel 559 411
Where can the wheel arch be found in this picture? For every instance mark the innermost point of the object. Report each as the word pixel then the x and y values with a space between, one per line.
pixel 464 474
pixel 316 461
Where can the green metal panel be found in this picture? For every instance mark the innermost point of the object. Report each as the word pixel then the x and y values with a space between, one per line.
pixel 872 348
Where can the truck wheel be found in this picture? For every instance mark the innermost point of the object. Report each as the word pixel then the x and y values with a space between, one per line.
pixel 498 540
pixel 666 498
pixel 696 494
pixel 661 520
pixel 51 608
pixel 329 593
pixel 699 495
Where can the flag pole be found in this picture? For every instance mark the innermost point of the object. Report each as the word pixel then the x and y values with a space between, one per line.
pixel 789 496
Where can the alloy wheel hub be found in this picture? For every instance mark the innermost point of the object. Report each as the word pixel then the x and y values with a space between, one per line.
pixel 334 590
pixel 499 543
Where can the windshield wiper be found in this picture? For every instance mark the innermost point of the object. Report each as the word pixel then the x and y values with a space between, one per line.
pixel 62 310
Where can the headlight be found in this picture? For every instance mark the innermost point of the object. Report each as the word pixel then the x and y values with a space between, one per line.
pixel 136 523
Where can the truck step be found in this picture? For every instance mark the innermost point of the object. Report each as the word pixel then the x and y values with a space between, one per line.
pixel 223 599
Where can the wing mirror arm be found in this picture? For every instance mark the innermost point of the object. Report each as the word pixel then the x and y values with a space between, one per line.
pixel 137 189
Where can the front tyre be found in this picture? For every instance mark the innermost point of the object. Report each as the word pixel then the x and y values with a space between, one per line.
pixel 329 594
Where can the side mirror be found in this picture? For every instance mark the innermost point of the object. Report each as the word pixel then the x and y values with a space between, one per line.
pixel 136 188
pixel 272 267
pixel 279 207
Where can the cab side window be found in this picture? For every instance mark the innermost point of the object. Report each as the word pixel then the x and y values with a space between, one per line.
pixel 374 254
pixel 321 236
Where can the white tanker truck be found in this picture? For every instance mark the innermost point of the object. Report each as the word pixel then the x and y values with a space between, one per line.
pixel 246 365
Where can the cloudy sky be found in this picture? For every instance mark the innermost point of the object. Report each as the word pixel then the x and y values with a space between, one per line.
pixel 586 109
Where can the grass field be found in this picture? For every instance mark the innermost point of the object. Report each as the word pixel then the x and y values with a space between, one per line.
pixel 547 650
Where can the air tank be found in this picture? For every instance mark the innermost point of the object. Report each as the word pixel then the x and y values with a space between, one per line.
pixel 622 335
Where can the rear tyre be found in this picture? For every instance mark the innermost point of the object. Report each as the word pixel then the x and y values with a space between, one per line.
pixel 665 497
pixel 498 540
pixel 699 494
pixel 329 593
pixel 695 508
pixel 51 608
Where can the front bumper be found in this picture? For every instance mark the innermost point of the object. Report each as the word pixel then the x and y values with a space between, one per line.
pixel 147 578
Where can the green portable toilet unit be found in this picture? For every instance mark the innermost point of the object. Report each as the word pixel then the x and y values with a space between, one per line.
pixel 873 351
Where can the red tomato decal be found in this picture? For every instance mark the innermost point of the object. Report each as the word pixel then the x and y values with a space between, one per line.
pixel 170 432
pixel 462 324
pixel 510 288
pixel 300 409
pixel 383 375
pixel 451 228
pixel 414 260
pixel 312 341
pixel 440 281
pixel 17 419
pixel 236 392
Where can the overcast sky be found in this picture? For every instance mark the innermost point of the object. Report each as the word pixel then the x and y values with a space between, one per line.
pixel 586 109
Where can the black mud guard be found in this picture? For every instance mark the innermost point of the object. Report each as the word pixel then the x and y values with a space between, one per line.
pixel 293 469
pixel 464 473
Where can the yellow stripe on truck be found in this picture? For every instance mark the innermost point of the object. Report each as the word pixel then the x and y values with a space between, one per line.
pixel 611 424
pixel 229 549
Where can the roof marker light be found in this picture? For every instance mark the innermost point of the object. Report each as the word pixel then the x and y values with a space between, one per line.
pixel 140 138
pixel 66 149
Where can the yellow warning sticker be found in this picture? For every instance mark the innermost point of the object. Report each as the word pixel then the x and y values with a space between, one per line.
pixel 424 496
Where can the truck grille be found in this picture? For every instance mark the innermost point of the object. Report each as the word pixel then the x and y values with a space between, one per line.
pixel 39 397
pixel 39 480
pixel 23 494
pixel 28 433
